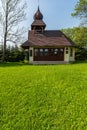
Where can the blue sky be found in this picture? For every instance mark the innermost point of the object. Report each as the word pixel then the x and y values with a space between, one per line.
pixel 57 13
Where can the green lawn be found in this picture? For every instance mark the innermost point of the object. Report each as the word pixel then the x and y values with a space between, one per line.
pixel 35 97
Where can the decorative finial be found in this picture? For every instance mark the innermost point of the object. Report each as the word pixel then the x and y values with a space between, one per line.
pixel 38 3
pixel 38 6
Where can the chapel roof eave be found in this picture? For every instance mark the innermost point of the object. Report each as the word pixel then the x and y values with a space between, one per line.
pixel 44 46
pixel 25 45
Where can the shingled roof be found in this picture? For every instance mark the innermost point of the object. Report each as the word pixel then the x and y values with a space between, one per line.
pixel 36 22
pixel 48 38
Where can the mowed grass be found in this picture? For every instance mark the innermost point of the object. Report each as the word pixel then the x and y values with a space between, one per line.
pixel 47 97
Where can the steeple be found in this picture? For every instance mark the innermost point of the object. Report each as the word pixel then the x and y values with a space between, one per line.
pixel 38 15
pixel 38 23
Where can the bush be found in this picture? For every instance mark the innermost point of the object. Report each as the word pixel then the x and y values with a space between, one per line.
pixel 13 54
pixel 81 54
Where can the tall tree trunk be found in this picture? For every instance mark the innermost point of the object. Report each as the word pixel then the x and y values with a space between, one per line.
pixel 11 14
pixel 5 34
pixel 4 48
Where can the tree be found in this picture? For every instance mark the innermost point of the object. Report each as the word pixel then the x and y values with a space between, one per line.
pixel 79 36
pixel 81 10
pixel 80 33
pixel 11 15
pixel 14 54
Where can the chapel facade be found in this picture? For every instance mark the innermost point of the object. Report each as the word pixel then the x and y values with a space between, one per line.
pixel 48 46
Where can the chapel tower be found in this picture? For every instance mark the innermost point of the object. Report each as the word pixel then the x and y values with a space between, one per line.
pixel 38 23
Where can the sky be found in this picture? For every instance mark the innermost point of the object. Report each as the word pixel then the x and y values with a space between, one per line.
pixel 56 13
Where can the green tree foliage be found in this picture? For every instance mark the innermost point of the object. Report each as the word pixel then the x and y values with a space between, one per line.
pixel 81 10
pixel 13 54
pixel 79 36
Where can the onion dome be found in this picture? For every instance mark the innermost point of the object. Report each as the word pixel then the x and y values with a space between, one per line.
pixel 38 15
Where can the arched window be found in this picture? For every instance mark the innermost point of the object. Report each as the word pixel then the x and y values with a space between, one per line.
pixel 41 52
pixel 61 51
pixel 36 52
pixel 55 51
pixel 67 50
pixel 45 52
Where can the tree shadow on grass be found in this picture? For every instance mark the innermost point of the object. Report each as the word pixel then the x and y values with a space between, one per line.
pixel 79 62
pixel 13 64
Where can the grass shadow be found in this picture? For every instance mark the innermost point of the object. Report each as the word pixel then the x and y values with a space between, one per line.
pixel 13 64
pixel 79 62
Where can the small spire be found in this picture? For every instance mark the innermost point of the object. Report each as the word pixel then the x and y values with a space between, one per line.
pixel 38 8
